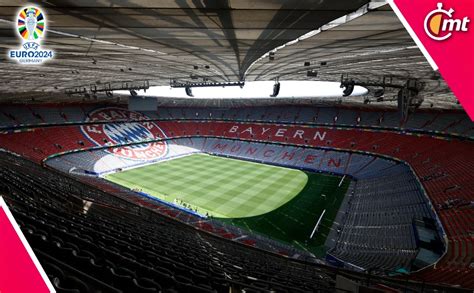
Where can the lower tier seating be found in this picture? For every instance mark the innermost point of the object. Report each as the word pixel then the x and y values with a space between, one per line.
pixel 90 241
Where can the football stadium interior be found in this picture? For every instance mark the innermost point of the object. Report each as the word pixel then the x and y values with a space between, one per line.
pixel 118 189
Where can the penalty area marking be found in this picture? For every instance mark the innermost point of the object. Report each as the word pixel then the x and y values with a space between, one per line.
pixel 342 180
pixel 317 224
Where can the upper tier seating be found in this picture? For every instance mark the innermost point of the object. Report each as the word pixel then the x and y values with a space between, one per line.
pixel 457 123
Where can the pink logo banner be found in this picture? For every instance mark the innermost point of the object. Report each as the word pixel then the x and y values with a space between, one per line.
pixel 20 270
pixel 444 32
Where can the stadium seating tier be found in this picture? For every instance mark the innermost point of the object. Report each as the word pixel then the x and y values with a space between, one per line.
pixel 441 163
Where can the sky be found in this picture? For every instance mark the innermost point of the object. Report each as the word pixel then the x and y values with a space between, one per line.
pixel 254 90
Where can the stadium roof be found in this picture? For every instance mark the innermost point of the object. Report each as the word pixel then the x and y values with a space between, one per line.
pixel 105 41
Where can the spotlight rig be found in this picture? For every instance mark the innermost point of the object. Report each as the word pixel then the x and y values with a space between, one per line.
pixel 407 98
pixel 276 89
pixel 189 85
pixel 189 92
pixel 109 87
pixel 177 84
pixel 348 86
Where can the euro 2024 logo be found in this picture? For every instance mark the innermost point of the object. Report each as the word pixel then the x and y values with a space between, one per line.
pixel 31 27
pixel 440 24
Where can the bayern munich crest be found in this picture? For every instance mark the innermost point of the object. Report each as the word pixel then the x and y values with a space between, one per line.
pixel 126 133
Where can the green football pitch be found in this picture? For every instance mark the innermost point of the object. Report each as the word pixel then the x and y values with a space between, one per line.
pixel 222 187
pixel 279 202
